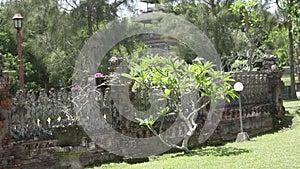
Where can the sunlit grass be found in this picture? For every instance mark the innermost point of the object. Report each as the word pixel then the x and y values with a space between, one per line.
pixel 280 149
pixel 286 80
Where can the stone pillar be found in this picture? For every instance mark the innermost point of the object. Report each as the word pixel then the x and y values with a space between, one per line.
pixel 276 85
pixel 5 100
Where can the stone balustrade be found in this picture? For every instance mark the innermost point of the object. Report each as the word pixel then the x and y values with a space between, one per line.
pixel 39 113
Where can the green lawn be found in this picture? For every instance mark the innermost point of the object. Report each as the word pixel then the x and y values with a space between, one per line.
pixel 280 149
pixel 286 80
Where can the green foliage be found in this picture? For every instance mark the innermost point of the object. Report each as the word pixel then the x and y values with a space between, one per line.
pixel 240 7
pixel 148 122
pixel 290 15
pixel 53 35
pixel 212 17
pixel 256 22
pixel 278 43
pixel 174 74
pixel 175 77
pixel 10 64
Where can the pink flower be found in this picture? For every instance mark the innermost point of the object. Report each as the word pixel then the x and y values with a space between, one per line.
pixel 77 87
pixel 98 74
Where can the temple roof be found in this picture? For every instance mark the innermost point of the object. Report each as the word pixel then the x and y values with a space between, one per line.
pixel 149 17
pixel 150 39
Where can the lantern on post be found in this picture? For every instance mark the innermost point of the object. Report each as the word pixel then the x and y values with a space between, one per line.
pixel 18 21
pixel 242 136
pixel 18 25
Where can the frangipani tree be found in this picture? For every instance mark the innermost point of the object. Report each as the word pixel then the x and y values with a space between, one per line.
pixel 183 86
pixel 255 21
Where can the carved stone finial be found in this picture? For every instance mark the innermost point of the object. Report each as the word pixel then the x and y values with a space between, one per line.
pixel 269 62
pixel 114 62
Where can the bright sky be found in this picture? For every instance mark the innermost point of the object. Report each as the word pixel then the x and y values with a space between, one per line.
pixel 273 6
pixel 143 6
pixel 139 6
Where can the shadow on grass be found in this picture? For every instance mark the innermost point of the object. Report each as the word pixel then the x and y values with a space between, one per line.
pixel 286 122
pixel 298 112
pixel 218 151
pixel 292 108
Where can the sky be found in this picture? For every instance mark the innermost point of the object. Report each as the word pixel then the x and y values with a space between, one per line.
pixel 140 6
pixel 143 6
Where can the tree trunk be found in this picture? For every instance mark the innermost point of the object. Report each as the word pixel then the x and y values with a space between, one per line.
pixel 185 141
pixel 292 73
pixel 89 18
pixel 249 54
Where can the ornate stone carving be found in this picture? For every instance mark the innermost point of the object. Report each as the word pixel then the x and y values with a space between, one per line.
pixel 41 112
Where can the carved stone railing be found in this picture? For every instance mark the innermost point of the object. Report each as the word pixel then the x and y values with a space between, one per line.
pixel 261 99
pixel 37 114
pixel 40 114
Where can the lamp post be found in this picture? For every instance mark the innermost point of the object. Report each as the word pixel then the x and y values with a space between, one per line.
pixel 18 25
pixel 242 136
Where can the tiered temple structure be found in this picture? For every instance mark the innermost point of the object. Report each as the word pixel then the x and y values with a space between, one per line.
pixel 156 42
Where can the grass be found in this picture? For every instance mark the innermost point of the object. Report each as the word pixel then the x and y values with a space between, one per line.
pixel 286 80
pixel 280 149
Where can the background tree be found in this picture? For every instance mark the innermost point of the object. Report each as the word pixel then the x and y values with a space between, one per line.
pixel 226 27
pixel 290 12
pixel 255 22
pixel 53 34
pixel 212 17
pixel 55 30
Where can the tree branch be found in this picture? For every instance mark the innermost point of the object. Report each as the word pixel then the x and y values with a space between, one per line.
pixel 278 5
pixel 72 4
pixel 116 4
pixel 196 110
pixel 164 141
pixel 246 29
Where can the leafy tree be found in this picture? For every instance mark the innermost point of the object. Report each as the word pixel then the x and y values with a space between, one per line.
pixel 278 43
pixel 178 80
pixel 290 12
pixel 255 21
pixel 10 65
pixel 53 34
pixel 33 24
pixel 212 17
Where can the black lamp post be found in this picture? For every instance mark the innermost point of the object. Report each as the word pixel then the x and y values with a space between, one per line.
pixel 18 25
pixel 242 136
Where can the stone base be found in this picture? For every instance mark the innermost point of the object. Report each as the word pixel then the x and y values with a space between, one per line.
pixel 243 136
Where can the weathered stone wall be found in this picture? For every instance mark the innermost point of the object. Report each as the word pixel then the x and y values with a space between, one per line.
pixel 48 154
pixel 43 129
